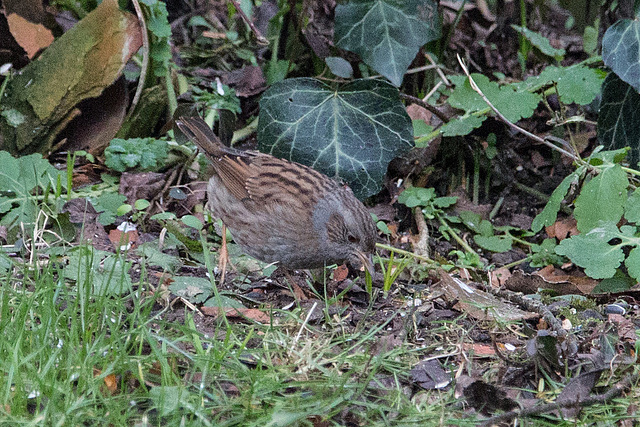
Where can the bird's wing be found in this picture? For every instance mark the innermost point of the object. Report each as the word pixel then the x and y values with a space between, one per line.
pixel 231 165
pixel 278 181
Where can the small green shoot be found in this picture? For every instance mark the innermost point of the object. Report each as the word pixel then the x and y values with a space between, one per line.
pixel 392 270
pixel 139 209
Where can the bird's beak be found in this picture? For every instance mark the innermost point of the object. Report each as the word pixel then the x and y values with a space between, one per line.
pixel 367 262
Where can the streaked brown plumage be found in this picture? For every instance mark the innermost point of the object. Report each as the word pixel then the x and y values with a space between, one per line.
pixel 281 211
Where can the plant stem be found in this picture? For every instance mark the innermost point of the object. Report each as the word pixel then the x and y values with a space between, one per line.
pixel 455 236
pixel 171 92
pixel 403 252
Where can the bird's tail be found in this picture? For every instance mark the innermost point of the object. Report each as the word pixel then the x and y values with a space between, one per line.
pixel 202 136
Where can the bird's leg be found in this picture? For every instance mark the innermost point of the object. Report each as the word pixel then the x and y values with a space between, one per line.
pixel 223 255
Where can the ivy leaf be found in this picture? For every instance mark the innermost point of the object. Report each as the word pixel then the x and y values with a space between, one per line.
pixel 445 202
pixel 154 256
pixel 350 133
pixel 339 66
pixel 619 118
pixel 474 222
pixel 600 157
pixel 387 34
pixel 143 153
pixel 160 30
pixel 105 273
pixel 108 204
pixel 602 198
pixel 578 83
pixel 592 251
pixel 620 50
pixel 193 289
pixel 620 282
pixel 545 254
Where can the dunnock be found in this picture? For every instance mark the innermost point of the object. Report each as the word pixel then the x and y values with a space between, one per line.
pixel 281 211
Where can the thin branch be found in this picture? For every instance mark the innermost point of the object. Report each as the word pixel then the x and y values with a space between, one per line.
pixel 409 71
pixel 407 253
pixel 426 106
pixel 433 90
pixel 512 125
pixel 444 78
pixel 259 37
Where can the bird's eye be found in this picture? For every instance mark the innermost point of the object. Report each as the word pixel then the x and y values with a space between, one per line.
pixel 352 239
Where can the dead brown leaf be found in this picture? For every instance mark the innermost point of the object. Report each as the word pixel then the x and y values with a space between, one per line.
pixel 477 303
pixel 430 375
pixel 143 185
pixel 487 398
pixel 82 212
pixel 547 278
pixel 538 161
pixel 562 229
pixel 499 276
pixel 417 112
pixel 111 383
pixel 340 273
pixel 479 350
pixel 247 81
pixel 238 313
pixel 626 328
pixel 32 37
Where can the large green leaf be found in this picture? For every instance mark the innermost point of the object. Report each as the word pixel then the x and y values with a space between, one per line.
pixel 619 118
pixel 550 212
pixel 387 34
pixel 577 83
pixel 621 50
pixel 513 101
pixel 103 272
pixel 19 177
pixel 350 133
pixel 602 198
pixel 600 251
pixel 592 251
pixel 632 207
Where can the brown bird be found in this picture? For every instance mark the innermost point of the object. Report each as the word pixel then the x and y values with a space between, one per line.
pixel 282 211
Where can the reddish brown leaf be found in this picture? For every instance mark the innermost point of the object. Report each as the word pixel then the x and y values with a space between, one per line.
pixel 417 112
pixel 499 276
pixel 562 229
pixel 340 273
pixel 121 239
pixel 111 383
pixel 30 36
